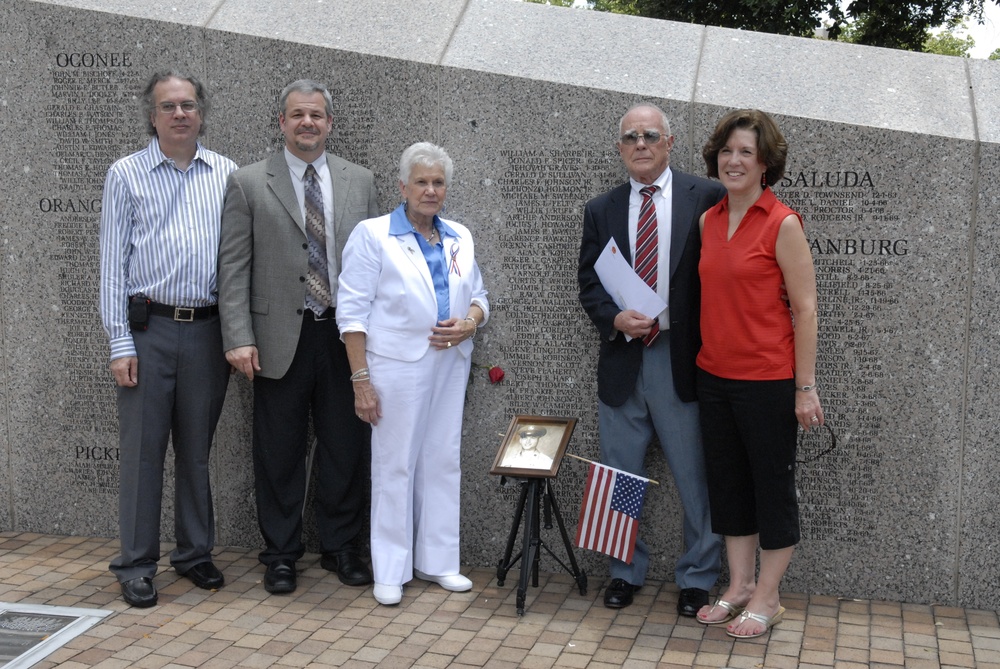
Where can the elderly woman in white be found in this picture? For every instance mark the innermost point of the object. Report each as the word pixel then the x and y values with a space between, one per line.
pixel 409 302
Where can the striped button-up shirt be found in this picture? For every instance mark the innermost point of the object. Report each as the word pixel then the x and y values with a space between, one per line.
pixel 159 235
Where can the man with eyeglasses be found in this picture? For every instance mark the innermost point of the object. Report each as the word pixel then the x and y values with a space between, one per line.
pixel 646 365
pixel 160 221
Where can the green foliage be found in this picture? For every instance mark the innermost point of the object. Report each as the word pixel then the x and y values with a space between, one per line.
pixel 885 23
pixel 995 55
pixel 948 43
pixel 851 32
pixel 907 25
pixel 618 7
pixel 772 16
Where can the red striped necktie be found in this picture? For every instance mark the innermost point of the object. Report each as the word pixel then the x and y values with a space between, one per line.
pixel 646 244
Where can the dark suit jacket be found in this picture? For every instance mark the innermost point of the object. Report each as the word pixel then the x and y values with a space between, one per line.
pixel 263 255
pixel 606 216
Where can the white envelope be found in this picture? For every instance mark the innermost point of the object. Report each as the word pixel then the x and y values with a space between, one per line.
pixel 624 286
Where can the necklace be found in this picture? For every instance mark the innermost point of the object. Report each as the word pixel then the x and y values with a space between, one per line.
pixel 428 238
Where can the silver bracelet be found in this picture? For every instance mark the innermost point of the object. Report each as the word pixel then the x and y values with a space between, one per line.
pixel 361 375
pixel 474 321
pixel 805 389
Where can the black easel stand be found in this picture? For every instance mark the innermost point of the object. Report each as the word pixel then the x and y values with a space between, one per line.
pixel 534 490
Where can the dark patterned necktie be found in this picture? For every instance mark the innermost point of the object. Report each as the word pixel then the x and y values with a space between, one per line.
pixel 318 278
pixel 646 244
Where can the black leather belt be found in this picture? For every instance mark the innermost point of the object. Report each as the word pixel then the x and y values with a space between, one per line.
pixel 310 315
pixel 183 314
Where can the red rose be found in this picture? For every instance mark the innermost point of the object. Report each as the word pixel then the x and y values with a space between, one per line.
pixel 496 374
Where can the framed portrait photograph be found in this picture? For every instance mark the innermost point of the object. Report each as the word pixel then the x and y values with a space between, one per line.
pixel 533 446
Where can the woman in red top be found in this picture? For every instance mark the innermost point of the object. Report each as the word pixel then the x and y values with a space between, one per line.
pixel 756 367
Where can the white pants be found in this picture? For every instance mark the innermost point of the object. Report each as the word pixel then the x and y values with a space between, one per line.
pixel 416 464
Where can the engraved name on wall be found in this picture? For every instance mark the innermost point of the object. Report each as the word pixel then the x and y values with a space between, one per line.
pixel 856 278
pixel 91 114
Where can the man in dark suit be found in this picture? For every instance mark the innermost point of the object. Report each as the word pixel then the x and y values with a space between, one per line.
pixel 646 368
pixel 284 226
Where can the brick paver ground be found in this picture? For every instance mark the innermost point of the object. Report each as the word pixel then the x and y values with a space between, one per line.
pixel 326 624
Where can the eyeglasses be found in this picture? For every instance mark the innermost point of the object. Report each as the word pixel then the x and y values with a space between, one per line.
pixel 632 137
pixel 170 107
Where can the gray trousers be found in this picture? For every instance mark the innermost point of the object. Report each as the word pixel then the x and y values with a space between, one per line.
pixel 627 431
pixel 183 376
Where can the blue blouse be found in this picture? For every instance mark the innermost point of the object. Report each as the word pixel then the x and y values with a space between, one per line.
pixel 434 255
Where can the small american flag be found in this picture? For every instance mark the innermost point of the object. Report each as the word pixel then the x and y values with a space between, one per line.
pixel 609 516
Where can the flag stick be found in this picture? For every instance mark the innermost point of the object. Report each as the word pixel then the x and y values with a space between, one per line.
pixel 592 462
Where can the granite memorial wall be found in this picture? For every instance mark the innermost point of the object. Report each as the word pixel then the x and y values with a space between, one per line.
pixel 893 163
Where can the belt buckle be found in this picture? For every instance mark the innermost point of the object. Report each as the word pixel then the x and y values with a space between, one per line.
pixel 184 314
pixel 319 318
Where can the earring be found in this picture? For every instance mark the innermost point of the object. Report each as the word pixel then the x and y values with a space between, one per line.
pixel 763 180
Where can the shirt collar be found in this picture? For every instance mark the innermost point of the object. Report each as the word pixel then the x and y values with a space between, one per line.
pixel 765 201
pixel 298 166
pixel 399 224
pixel 157 157
pixel 663 181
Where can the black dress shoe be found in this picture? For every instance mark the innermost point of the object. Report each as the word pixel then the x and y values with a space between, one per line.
pixel 206 576
pixel 350 568
pixel 280 577
pixel 619 593
pixel 139 592
pixel 690 601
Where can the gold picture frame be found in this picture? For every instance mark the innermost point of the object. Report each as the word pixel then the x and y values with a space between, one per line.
pixel 533 446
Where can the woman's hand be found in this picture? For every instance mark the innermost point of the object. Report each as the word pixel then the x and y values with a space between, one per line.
pixel 807 409
pixel 452 332
pixel 366 403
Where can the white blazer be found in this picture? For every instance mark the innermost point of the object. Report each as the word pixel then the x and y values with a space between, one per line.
pixel 386 289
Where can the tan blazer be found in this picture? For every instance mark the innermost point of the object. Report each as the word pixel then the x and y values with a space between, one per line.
pixel 263 254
